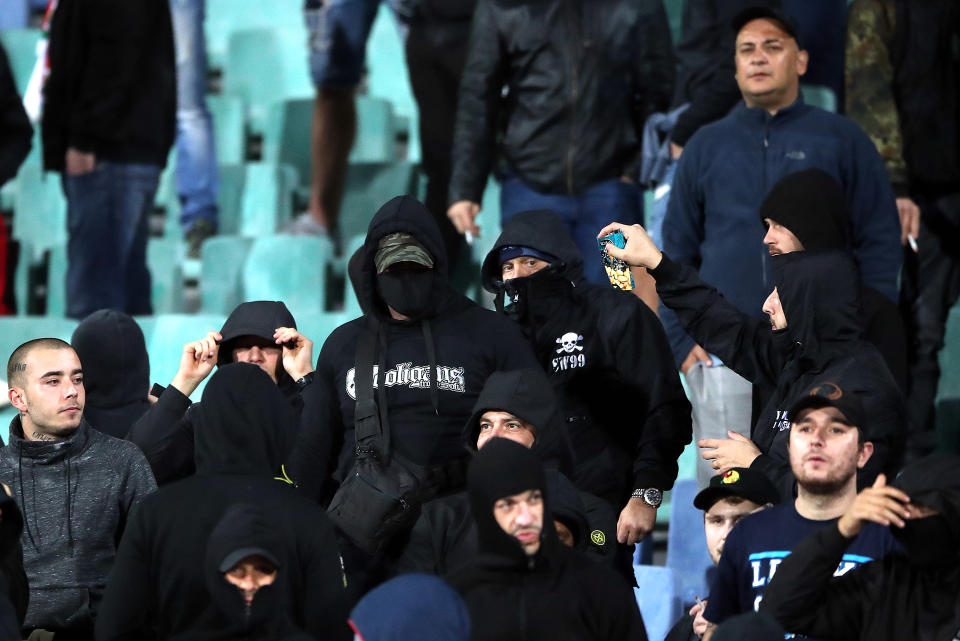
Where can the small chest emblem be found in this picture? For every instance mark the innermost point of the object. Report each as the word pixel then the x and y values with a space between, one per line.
pixel 598 538
pixel 569 343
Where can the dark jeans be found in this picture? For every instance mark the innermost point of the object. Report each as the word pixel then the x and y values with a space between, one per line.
pixel 584 214
pixel 930 287
pixel 107 221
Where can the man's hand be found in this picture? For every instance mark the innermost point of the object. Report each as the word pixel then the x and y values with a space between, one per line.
pixel 675 150
pixel 297 352
pixel 639 250
pixel 697 354
pixel 699 623
pixel 636 521
pixel 909 219
pixel 462 214
pixel 196 362
pixel 880 503
pixel 79 162
pixel 728 453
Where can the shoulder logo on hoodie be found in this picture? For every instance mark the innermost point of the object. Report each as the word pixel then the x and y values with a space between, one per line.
pixel 413 376
pixel 570 353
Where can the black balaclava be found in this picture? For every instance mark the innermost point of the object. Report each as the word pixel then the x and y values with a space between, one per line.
pixel 407 291
pixel 811 204
pixel 504 468
pixel 932 482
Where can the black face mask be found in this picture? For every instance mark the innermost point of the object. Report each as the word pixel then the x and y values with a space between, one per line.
pixel 928 541
pixel 407 292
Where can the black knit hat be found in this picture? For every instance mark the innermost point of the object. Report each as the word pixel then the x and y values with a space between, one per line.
pixel 811 204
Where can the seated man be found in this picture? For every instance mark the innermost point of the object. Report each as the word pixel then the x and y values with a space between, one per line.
pixel 76 487
pixel 909 595
pixel 728 500
pixel 826 448
pixel 813 333
pixel 519 406
pixel 260 332
pixel 523 583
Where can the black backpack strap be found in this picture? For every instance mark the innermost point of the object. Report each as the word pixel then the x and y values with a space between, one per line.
pixel 366 415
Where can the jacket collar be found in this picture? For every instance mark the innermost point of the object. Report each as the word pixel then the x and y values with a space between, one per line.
pixel 759 116
pixel 46 452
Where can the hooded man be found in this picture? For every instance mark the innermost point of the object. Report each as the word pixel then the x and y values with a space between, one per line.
pixel 812 334
pixel 910 595
pixel 116 370
pixel 426 349
pixel 519 406
pixel 245 427
pixel 260 332
pixel 523 583
pixel 76 487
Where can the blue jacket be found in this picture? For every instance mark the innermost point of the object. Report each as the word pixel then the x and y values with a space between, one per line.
pixel 726 171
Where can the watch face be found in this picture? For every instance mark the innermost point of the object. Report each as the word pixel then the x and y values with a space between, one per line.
pixel 652 496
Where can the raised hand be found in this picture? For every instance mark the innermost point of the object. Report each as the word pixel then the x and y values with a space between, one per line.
pixel 196 362
pixel 297 351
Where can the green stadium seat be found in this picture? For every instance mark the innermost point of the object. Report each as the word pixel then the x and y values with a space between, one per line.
pixel 230 197
pixel 229 133
pixel 819 96
pixel 166 334
pixel 21 47
pixel 288 268
pixel 317 327
pixel 165 258
pixel 40 215
pixel 267 202
pixel 57 282
pixel 674 10
pixel 222 260
pixel 223 17
pixel 370 185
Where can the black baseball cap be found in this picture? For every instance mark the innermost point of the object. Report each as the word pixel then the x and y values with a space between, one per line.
pixel 740 481
pixel 830 394
pixel 754 13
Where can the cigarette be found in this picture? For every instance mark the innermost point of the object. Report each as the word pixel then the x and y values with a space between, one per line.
pixel 699 601
pixel 913 244
pixel 469 238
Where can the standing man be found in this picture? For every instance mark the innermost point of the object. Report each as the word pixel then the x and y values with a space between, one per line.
pixel 727 169
pixel 108 124
pixel 554 96
pixel 76 487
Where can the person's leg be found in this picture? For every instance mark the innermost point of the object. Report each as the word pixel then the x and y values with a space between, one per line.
pixel 599 205
pixel 517 197
pixel 338 39
pixel 134 195
pixel 196 173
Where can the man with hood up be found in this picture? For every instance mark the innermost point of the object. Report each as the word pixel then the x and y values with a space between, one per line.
pixel 433 351
pixel 627 417
pixel 245 428
pixel 260 332
pixel 519 406
pixel 911 595
pixel 813 334
pixel 523 583
pixel 116 370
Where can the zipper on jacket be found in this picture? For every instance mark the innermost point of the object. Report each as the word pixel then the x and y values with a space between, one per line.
pixel 574 89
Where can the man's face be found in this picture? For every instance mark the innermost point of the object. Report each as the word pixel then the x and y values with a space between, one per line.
pixel 720 519
pixel 250 574
pixel 263 353
pixel 504 425
pixel 779 239
pixel 52 398
pixel 773 309
pixel 824 450
pixel 521 266
pixel 769 65
pixel 521 516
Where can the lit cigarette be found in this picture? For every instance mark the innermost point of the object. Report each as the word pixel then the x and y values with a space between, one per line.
pixel 469 238
pixel 910 239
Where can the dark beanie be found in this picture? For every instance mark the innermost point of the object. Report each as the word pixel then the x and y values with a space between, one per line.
pixel 811 204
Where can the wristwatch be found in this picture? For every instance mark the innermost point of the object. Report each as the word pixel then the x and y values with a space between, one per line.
pixel 651 496
pixel 305 380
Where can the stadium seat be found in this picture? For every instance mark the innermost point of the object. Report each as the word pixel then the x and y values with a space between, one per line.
pixel 21 48
pixel 221 271
pixel 674 10
pixel 40 216
pixel 288 268
pixel 230 197
pixel 223 17
pixel 317 327
pixel 165 260
pixel 657 598
pixel 687 551
pixel 229 133
pixel 370 185
pixel 267 202
pixel 57 282
pixel 819 96
pixel 166 334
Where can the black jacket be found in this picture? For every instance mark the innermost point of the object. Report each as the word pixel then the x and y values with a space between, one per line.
pixel 822 342
pixel 165 432
pixel 580 78
pixel 116 370
pixel 893 598
pixel 14 588
pixel 458 339
pixel 112 84
pixel 556 594
pixel 627 416
pixel 244 431
pixel 16 133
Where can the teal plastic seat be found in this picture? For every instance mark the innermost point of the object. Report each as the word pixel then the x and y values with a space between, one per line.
pixel 223 17
pixel 221 273
pixel 317 327
pixel 21 47
pixel 370 185
pixel 165 336
pixel 230 197
pixel 40 213
pixel 819 96
pixel 57 281
pixel 228 128
pixel 288 268
pixel 267 202
pixel 165 258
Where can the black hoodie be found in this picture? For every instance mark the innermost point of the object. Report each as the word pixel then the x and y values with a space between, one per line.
pixel 116 370
pixel 13 580
pixel 165 432
pixel 555 594
pixel 822 342
pixel 243 434
pixel 456 338
pixel 894 598
pixel 606 353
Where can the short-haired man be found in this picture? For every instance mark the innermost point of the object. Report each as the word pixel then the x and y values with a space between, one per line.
pixel 76 487
pixel 729 499
pixel 827 449
pixel 523 583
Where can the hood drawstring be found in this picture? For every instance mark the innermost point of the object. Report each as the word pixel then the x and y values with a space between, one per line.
pixel 432 358
pixel 381 388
